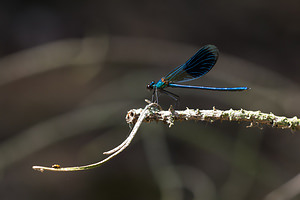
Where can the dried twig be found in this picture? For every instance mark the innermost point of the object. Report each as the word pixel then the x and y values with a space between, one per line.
pixel 113 152
pixel 153 112
pixel 256 118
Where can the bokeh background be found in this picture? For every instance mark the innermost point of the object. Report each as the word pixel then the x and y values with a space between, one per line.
pixel 70 70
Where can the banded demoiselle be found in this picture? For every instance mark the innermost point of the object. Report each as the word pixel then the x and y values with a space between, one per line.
pixel 197 66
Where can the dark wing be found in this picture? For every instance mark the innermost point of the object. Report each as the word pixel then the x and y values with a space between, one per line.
pixel 198 65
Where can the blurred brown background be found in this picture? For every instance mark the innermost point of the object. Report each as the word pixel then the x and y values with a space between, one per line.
pixel 70 70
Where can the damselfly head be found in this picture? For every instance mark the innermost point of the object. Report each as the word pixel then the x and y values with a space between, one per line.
pixel 150 86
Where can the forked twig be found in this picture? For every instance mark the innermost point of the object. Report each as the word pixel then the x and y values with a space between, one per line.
pixel 137 116
pixel 113 152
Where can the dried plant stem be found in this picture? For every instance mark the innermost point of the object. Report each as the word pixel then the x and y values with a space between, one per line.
pixel 256 118
pixel 113 152
pixel 153 112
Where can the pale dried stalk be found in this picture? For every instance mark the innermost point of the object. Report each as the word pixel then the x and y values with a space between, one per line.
pixel 153 112
pixel 256 118
pixel 113 152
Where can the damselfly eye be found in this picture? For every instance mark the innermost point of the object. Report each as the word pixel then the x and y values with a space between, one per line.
pixel 149 87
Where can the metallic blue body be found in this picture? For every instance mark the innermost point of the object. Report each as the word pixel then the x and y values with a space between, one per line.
pixel 208 88
pixel 160 84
